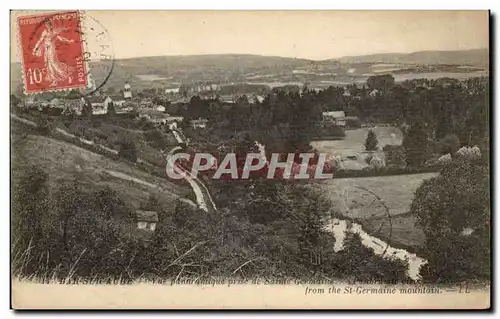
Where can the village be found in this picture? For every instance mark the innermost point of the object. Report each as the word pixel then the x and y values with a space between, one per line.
pixel 150 104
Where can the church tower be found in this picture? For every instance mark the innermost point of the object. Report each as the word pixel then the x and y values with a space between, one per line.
pixel 127 93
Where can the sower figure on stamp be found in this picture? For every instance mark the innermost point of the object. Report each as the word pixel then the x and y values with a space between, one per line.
pixel 46 44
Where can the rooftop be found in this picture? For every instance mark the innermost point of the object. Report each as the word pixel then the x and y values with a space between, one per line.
pixel 146 216
pixel 334 114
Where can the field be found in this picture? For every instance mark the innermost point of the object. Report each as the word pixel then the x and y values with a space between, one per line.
pixel 357 198
pixel 64 162
pixel 110 135
pixel 353 145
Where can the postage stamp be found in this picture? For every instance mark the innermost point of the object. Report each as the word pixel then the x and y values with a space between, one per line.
pixel 52 52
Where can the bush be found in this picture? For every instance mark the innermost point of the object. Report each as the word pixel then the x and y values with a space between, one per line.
pixel 353 123
pixel 449 144
pixel 331 130
pixel 469 152
pixel 416 145
pixel 371 141
pixel 92 236
pixel 453 209
pixel 128 151
pixel 395 155
pixel 377 162
pixel 156 139
pixel 44 126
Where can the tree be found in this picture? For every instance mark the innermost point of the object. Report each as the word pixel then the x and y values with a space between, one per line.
pixel 371 141
pixel 453 210
pixel 29 206
pixel 87 109
pixel 450 144
pixel 416 145
pixel 111 109
pixel 395 155
pixel 14 101
pixel 73 95
pixel 381 82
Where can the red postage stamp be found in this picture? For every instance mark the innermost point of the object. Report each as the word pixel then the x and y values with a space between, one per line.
pixel 52 52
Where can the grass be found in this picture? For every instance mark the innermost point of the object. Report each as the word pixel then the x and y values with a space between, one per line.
pixel 401 231
pixel 352 197
pixel 63 161
pixel 111 134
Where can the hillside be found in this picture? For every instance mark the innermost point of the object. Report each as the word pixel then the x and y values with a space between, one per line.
pixel 476 57
pixel 64 162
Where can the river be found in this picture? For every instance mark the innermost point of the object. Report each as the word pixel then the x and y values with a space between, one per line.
pixel 340 227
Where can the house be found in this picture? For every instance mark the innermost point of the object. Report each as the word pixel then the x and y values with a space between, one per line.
pixel 256 99
pixel 55 102
pixel 172 121
pixel 73 107
pixel 117 100
pixel 337 117
pixel 126 107
pixel 146 220
pixel 99 107
pixel 172 91
pixel 352 121
pixel 153 116
pixel 147 103
pixel 227 99
pixel 160 108
pixel 100 103
pixel 374 93
pixel 173 118
pixel 199 123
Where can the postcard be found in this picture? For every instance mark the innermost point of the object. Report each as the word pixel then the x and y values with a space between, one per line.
pixel 250 160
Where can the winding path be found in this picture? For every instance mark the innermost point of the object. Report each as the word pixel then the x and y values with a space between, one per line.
pixel 203 197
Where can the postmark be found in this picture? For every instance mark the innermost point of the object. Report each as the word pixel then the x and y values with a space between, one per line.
pixel 52 52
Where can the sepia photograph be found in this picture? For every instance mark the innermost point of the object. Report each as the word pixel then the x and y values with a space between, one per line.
pixel 250 159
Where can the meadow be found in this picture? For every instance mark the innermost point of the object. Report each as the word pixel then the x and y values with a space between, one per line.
pixel 353 145
pixel 365 200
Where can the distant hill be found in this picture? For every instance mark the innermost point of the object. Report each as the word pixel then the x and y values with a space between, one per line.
pixel 217 67
pixel 475 57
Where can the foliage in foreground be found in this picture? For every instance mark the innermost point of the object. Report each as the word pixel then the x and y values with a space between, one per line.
pixel 71 234
pixel 453 209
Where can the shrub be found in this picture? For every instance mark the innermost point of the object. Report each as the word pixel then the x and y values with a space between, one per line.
pixel 449 144
pixel 128 151
pixel 444 159
pixel 395 155
pixel 453 210
pixel 377 162
pixel 416 145
pixel 354 122
pixel 331 130
pixel 371 141
pixel 368 159
pixel 44 126
pixel 469 152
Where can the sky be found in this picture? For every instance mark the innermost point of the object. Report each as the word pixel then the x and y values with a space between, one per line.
pixel 313 35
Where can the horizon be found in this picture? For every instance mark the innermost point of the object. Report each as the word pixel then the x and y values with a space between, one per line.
pixel 285 57
pixel 310 35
